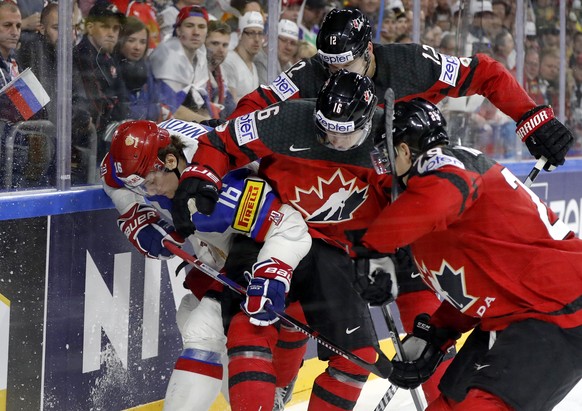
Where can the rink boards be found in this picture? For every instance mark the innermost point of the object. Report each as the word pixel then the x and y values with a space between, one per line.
pixel 87 323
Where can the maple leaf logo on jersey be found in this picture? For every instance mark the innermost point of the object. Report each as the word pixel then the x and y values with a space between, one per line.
pixel 333 200
pixel 449 283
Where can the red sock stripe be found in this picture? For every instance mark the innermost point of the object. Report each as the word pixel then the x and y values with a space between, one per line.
pixel 199 367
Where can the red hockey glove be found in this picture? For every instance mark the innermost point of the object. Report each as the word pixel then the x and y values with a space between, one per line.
pixel 144 228
pixel 269 283
pixel 200 184
pixel 424 350
pixel 545 136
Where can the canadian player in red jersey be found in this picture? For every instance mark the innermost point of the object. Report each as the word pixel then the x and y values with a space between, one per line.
pixel 500 259
pixel 322 168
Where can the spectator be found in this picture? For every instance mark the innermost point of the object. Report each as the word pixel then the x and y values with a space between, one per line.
pixel 180 65
pixel 504 49
pixel 30 12
pixel 167 17
pixel 481 30
pixel 401 26
pixel 432 36
pixel 388 30
pixel 502 10
pixel 103 93
pixel 142 89
pixel 443 15
pixel 305 50
pixel 576 94
pixel 576 48
pixel 287 44
pixel 221 101
pixel 10 28
pixel 549 76
pixel 239 67
pixel 39 52
pixel 243 7
pixel 549 36
pixel 448 44
pixel 531 40
pixel 313 13
pixel 290 10
pixel 531 68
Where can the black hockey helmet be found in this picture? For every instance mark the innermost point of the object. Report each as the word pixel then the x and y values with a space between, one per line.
pixel 344 35
pixel 419 124
pixel 345 104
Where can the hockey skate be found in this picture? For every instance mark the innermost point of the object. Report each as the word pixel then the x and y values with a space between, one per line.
pixel 283 395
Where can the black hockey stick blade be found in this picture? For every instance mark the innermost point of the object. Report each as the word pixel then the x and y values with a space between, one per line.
pixel 382 367
pixel 539 165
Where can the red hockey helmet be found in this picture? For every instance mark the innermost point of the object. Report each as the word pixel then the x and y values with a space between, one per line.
pixel 134 149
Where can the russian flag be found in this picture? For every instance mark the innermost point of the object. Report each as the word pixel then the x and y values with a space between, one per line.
pixel 26 93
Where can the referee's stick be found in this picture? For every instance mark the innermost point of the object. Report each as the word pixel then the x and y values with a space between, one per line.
pixel 382 367
pixel 417 395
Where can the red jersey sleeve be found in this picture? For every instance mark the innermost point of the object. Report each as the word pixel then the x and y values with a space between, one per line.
pixel 408 219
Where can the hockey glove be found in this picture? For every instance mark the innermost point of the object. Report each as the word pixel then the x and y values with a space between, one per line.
pixel 545 136
pixel 269 283
pixel 144 228
pixel 201 185
pixel 375 280
pixel 424 350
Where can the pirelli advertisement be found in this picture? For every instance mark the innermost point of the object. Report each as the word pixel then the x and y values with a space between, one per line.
pixel 87 323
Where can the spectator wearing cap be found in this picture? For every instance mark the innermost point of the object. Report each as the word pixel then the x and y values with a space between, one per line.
pixel 220 102
pixel 10 29
pixel 287 45
pixel 167 17
pixel 549 36
pixel 482 28
pixel 239 67
pixel 103 94
pixel 180 66
pixel 531 39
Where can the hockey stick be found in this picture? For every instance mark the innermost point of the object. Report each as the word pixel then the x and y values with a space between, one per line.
pixel 535 171
pixel 417 396
pixel 382 367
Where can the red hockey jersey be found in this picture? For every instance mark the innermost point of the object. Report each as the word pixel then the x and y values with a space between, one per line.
pixel 484 242
pixel 334 190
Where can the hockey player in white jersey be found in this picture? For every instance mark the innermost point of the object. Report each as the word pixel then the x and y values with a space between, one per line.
pixel 140 174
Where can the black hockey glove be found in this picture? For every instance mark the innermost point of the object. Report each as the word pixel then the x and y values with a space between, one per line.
pixel 375 280
pixel 545 136
pixel 197 186
pixel 424 350
pixel 374 272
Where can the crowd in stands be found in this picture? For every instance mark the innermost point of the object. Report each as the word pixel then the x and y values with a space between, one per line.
pixel 194 59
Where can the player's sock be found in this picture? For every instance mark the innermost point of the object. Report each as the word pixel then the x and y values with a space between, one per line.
pixel 250 367
pixel 290 349
pixel 339 387
pixel 196 379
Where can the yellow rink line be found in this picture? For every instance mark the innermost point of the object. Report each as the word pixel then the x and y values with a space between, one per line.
pixel 302 391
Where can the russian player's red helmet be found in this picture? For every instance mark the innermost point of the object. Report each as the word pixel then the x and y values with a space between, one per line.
pixel 134 150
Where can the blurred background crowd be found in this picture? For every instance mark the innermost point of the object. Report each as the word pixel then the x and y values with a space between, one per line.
pixel 194 59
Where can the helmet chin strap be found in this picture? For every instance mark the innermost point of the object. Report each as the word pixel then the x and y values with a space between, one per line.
pixel 401 178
